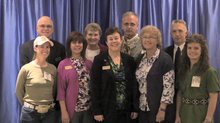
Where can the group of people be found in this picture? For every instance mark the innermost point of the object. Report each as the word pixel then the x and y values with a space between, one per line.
pixel 130 78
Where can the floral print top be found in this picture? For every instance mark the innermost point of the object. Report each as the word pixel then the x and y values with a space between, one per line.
pixel 83 99
pixel 120 84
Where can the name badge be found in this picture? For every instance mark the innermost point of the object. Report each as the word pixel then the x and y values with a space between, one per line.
pixel 196 80
pixel 68 67
pixel 106 67
pixel 47 76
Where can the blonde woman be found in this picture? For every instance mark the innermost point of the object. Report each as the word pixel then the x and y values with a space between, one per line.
pixel 155 75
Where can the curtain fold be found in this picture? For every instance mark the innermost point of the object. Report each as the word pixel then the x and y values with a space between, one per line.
pixel 18 20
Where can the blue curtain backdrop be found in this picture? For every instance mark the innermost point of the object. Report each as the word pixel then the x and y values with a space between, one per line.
pixel 18 21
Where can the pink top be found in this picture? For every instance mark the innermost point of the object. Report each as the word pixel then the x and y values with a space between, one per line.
pixel 68 85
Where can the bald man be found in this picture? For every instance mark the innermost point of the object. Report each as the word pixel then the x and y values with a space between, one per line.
pixel 44 27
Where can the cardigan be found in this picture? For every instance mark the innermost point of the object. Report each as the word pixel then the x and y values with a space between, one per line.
pixel 103 93
pixel 68 84
pixel 154 79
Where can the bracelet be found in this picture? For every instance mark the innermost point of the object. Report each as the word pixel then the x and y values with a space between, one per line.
pixel 163 109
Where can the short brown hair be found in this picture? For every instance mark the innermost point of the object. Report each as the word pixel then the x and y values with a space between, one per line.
pixel 74 37
pixel 93 27
pixel 128 14
pixel 112 30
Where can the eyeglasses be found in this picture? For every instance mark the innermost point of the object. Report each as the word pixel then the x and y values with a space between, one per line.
pixel 45 26
pixel 148 38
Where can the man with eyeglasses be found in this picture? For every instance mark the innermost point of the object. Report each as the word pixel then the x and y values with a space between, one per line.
pixel 57 52
pixel 131 44
pixel 179 33
pixel 44 28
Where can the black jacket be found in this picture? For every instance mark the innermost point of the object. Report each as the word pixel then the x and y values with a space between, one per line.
pixel 170 50
pixel 103 85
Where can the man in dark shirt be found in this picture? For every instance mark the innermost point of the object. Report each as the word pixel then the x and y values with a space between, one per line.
pixel 179 33
pixel 44 28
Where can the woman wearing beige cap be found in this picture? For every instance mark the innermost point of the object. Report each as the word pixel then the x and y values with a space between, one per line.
pixel 35 88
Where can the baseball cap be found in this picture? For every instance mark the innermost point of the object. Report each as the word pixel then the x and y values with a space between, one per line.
pixel 41 40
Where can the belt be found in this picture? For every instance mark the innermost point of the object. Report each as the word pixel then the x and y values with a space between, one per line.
pixel 202 101
pixel 39 108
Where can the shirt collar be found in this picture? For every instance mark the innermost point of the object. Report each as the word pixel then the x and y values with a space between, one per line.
pixel 181 46
pixel 132 40
pixel 155 56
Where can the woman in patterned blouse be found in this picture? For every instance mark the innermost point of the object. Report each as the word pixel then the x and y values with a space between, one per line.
pixel 73 82
pixel 155 76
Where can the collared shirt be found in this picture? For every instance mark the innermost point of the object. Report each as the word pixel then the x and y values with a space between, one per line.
pixel 132 46
pixel 141 75
pixel 90 54
pixel 175 49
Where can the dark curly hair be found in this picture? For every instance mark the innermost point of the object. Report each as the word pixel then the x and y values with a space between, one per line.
pixel 203 62
pixel 75 37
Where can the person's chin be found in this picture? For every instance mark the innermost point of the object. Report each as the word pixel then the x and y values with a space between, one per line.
pixel 93 44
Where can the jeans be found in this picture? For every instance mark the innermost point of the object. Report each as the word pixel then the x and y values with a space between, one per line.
pixel 29 115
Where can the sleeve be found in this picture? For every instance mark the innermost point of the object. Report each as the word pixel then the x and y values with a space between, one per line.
pixel 168 81
pixel 55 83
pixel 24 55
pixel 96 83
pixel 168 87
pixel 63 53
pixel 20 85
pixel 135 94
pixel 61 82
pixel 212 80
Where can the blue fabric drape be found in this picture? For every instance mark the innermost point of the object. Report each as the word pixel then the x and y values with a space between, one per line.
pixel 18 20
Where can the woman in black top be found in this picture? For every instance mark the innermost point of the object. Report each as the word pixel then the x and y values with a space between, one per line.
pixel 113 83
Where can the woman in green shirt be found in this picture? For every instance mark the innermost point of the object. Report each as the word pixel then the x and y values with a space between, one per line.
pixel 36 85
pixel 198 83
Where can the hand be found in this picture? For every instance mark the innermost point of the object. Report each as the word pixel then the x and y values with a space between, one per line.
pixel 207 120
pixel 65 117
pixel 160 116
pixel 177 119
pixel 134 115
pixel 99 118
